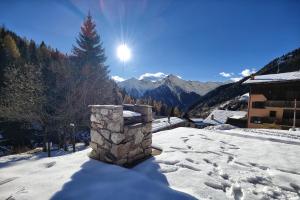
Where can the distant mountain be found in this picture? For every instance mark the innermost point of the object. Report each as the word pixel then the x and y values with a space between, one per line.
pixel 215 98
pixel 171 89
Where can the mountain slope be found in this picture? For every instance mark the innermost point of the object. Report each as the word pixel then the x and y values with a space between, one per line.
pixel 286 63
pixel 171 90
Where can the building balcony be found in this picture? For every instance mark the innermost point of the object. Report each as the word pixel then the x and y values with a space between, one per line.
pixel 289 122
pixel 282 104
pixel 270 120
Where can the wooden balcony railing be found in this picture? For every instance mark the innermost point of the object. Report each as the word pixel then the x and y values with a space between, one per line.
pixel 289 122
pixel 282 104
pixel 269 120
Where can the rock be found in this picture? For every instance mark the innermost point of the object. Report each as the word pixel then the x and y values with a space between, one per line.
pixel 117 138
pixel 96 137
pixel 148 151
pixel 138 137
pixel 116 117
pixel 105 133
pixel 147 128
pixel 93 118
pixel 121 150
pixel 114 126
pixel 97 125
pixel 93 145
pixel 104 112
pixel 121 162
pixel 134 152
pixel 147 143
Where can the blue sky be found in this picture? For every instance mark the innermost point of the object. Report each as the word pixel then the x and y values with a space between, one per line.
pixel 195 39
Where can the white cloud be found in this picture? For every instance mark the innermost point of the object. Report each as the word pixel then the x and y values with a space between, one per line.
pixel 179 77
pixel 236 79
pixel 153 76
pixel 118 78
pixel 226 75
pixel 247 72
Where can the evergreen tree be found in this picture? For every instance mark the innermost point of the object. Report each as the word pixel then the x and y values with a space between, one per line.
pixel 11 48
pixel 22 96
pixel 92 83
pixel 89 51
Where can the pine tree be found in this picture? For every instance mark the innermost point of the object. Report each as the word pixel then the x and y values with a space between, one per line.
pixel 93 85
pixel 89 50
pixel 11 47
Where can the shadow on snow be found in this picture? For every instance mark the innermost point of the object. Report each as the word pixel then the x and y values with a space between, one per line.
pixel 98 180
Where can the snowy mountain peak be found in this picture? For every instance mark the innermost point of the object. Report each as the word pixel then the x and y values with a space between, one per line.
pixel 163 87
pixel 153 77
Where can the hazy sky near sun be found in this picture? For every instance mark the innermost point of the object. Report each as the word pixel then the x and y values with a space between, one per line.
pixel 195 39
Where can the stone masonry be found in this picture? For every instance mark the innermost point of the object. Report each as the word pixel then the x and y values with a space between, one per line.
pixel 117 139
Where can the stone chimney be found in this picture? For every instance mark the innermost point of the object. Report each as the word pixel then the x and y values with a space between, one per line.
pixel 121 134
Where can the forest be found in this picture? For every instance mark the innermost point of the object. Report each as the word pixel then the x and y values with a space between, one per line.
pixel 44 94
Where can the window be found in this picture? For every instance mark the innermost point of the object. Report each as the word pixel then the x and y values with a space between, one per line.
pixel 256 120
pixel 273 114
pixel 258 104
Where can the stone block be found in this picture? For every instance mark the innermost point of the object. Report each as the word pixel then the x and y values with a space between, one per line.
pixel 94 145
pixel 96 137
pixel 134 152
pixel 114 126
pixel 117 117
pixel 120 150
pixel 104 112
pixel 121 161
pixel 105 133
pixel 117 138
pixel 148 151
pixel 147 143
pixel 138 137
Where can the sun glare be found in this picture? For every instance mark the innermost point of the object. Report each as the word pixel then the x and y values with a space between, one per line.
pixel 123 52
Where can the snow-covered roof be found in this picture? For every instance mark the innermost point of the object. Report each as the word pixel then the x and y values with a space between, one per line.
pixel 128 113
pixel 221 116
pixel 197 119
pixel 282 77
pixel 244 97
pixel 163 123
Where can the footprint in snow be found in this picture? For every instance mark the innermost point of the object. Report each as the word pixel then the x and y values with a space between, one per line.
pixel 188 167
pixel 50 164
pixel 230 159
pixel 191 161
pixel 7 180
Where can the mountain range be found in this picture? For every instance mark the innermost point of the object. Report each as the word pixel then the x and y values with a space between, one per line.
pixel 170 89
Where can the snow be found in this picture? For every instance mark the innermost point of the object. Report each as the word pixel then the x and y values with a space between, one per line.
pixel 282 77
pixel 149 82
pixel 197 120
pixel 163 123
pixel 221 116
pixel 128 113
pixel 220 127
pixel 244 97
pixel 194 164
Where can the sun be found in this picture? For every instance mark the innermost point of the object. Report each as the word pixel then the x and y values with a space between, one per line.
pixel 123 52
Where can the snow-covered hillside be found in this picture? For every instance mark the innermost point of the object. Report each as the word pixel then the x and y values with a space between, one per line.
pixel 194 164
